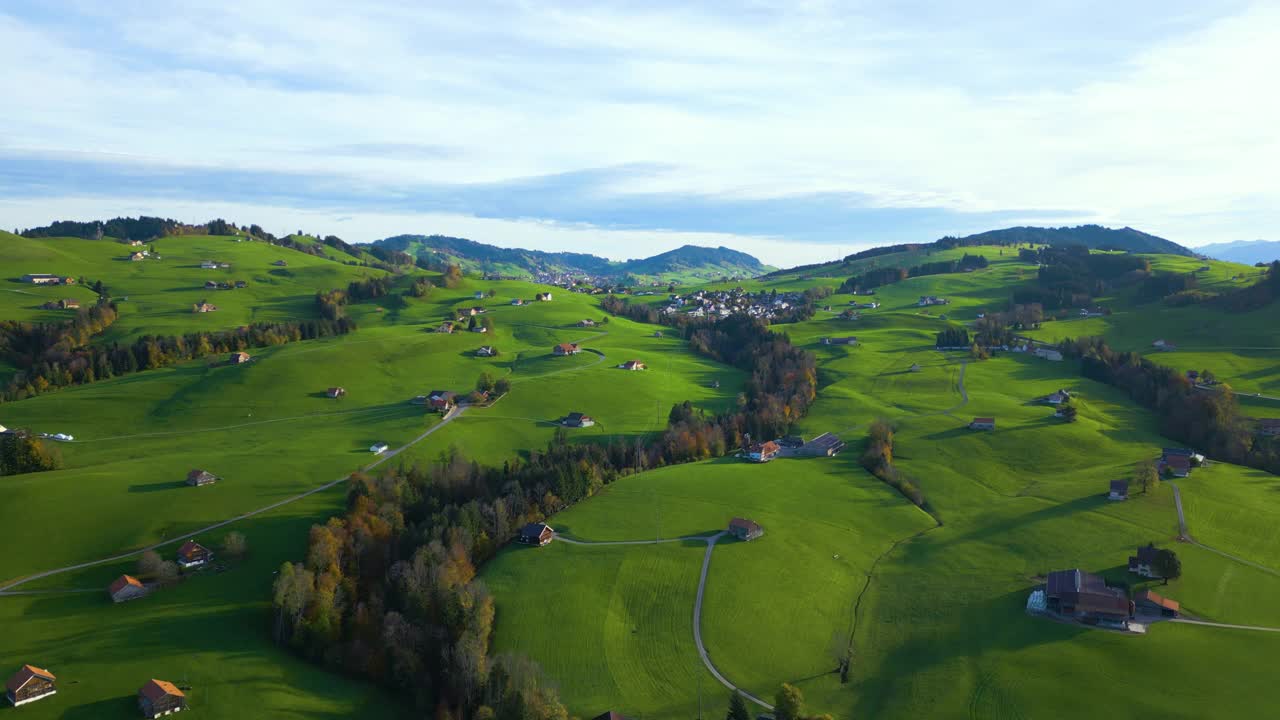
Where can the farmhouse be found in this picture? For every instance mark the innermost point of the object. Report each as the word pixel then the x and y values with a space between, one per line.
pixel 240 284
pixel 632 365
pixel 1178 466
pixel 565 349
pixel 1048 354
pixel 926 300
pixel 204 307
pixel 134 243
pixel 744 529
pixel 536 534
pixel 479 295
pixel 543 297
pixel 159 698
pixel 577 419
pixel 1119 490
pixel 213 265
pixel 41 279
pixel 445 327
pixel 479 329
pixel 915 367
pixel 588 322
pixel 126 588
pixel 486 351
pixel 518 302
pixel 1085 596
pixel 983 423
pixel 192 555
pixel 30 684
pixel 65 304
pixel 210 284
pixel 442 399
pixel 200 478
pixel 840 341
pixel 1152 603
pixel 1058 397
pixel 378 448
pixel 135 257
pixel 336 392
pixel 239 358
pixel 1143 563
pixel 763 452
pixel 280 263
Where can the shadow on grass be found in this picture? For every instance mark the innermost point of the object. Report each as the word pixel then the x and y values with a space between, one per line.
pixel 156 486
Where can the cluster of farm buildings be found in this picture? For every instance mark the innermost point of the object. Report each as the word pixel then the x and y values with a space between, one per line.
pixel 723 303
pixel 156 698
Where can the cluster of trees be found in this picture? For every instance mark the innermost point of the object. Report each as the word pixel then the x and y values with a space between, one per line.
pixel 21 452
pixel 952 337
pixel 420 288
pixel 878 460
pixel 1208 420
pixel 391 257
pixel 370 288
pixel 1255 296
pixel 452 276
pixel 1071 276
pixel 140 228
pixel 872 279
pixel 1164 284
pixel 788 704
pixel 54 355
pixel 388 591
pixel 487 384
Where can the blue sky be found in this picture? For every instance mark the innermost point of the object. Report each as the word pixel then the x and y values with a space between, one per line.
pixel 797 131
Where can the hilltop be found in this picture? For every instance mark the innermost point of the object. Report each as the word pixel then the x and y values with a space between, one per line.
pixel 689 261
pixel 1247 252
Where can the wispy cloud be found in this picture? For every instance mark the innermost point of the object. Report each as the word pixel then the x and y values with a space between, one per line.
pixel 813 123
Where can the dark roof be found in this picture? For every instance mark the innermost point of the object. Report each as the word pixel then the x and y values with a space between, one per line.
pixel 611 715
pixel 1180 462
pixel 1075 580
pixel 534 530
pixel 446 394
pixel 750 526
pixel 122 582
pixel 1146 554
pixel 988 420
pixel 156 690
pixel 200 474
pixel 1173 452
pixel 25 675
pixel 1269 422
pixel 1120 486
pixel 191 548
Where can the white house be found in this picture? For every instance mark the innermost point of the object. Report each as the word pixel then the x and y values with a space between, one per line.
pixel 379 448
pixel 1049 354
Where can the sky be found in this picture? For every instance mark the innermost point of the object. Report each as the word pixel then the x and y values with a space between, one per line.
pixel 798 131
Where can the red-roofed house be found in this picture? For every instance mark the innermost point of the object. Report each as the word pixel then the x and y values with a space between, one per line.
pixel 983 423
pixel 565 349
pixel 125 588
pixel 763 452
pixel 632 365
pixel 30 684
pixel 192 554
pixel 159 698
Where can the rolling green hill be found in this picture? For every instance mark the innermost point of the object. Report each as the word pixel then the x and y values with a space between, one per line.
pixel 686 263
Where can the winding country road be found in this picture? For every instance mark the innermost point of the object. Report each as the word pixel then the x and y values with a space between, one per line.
pixel 7 587
pixel 1186 537
pixel 1185 621
pixel 710 540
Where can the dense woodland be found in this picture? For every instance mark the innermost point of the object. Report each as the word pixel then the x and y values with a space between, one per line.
pixel 388 591
pixel 55 355
pixel 1070 276
pixel 1208 420
pixel 878 277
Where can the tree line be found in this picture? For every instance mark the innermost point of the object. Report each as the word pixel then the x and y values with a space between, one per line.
pixel 56 355
pixel 878 277
pixel 389 592
pixel 877 459
pixel 1208 420
pixel 21 452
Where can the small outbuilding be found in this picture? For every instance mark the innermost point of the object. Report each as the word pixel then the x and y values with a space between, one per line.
pixel 159 698
pixel 543 297
pixel 538 534
pixel 983 423
pixel 486 351
pixel 744 529
pixel 126 588
pixel 577 419
pixel 564 349
pixel 1119 490
pixel 633 365
pixel 239 358
pixel 200 478
pixel 442 399
pixel 1152 603
pixel 30 684
pixel 1143 562
pixel 378 448
pixel 336 392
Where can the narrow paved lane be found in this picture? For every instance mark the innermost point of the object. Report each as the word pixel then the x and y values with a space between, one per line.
pixel 697 627
pixel 1185 621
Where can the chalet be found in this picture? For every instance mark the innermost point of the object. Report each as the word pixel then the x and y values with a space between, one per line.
pixel 577 419
pixel 486 351
pixel 445 327
pixel 1085 596
pixel 518 302
pixel 210 265
pixel 477 310
pixel 1048 354
pixel 1178 466
pixel 467 312
pixel 41 279
pixel 135 257
pixel 65 304
pixel 926 300
pixel 1269 427
pixel 200 478
pixel 280 263
pixel 210 284
pixel 336 392
pixel 1058 397
pixel 633 365
pixel 983 423
pixel 239 358
pixel 543 297
pixel 1119 490
pixel 192 555
pixel 840 341
pixel 1143 563
pixel 204 308
pixel 565 349
pixel 378 448
pixel 1152 603
pixel 442 399
pixel 763 452
pixel 30 684
pixel 159 698
pixel 586 322
pixel 744 529
pixel 126 588
pixel 538 534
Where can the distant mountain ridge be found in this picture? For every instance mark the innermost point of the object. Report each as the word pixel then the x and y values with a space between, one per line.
pixel 1248 252
pixel 479 257
pixel 1095 237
